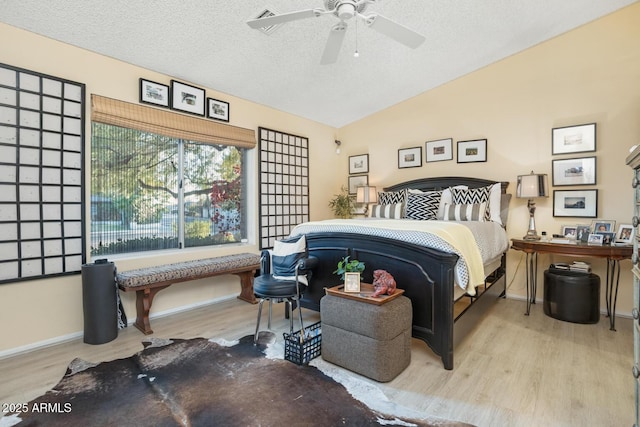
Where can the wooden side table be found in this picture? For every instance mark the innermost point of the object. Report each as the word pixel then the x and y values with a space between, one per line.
pixel 613 254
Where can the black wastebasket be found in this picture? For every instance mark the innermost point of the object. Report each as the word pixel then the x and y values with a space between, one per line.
pixel 572 296
pixel 99 302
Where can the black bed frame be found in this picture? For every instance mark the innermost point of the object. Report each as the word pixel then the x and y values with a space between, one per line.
pixel 426 275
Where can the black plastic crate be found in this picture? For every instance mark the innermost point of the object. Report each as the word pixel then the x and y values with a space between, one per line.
pixel 302 353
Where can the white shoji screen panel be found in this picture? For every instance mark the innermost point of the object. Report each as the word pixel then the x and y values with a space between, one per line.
pixel 41 175
pixel 284 184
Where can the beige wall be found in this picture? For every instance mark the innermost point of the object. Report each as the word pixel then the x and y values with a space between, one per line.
pixel 42 311
pixel 591 74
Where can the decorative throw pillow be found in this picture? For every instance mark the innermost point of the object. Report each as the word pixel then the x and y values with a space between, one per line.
pixel 423 206
pixel 465 212
pixel 446 198
pixel 472 196
pixel 392 211
pixel 391 197
pixel 285 256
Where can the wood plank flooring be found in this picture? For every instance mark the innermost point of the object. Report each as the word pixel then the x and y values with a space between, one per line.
pixel 512 370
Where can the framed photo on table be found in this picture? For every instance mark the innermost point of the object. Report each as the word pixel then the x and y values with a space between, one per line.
pixel 575 203
pixel 352 282
pixel 472 151
pixel 573 139
pixel 625 233
pixel 602 226
pixel 187 98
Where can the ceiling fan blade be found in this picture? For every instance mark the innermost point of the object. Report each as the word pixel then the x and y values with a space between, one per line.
pixel 334 43
pixel 396 31
pixel 282 18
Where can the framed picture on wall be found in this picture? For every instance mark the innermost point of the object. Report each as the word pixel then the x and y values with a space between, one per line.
pixel 357 181
pixel 359 164
pixel 439 150
pixel 189 99
pixel 472 151
pixel 578 171
pixel 217 109
pixel 410 157
pixel 573 139
pixel 575 203
pixel 154 93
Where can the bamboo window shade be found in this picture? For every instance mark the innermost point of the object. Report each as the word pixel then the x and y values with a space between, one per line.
pixel 147 119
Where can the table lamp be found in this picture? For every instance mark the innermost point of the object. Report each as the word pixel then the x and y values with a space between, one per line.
pixel 366 194
pixel 530 187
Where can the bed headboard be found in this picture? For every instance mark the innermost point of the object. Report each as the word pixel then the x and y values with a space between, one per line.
pixel 441 183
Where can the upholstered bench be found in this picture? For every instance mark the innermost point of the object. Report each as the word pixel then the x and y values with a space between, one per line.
pixel 372 340
pixel 147 282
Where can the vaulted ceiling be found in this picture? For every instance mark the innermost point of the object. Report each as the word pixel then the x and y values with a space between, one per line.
pixel 209 44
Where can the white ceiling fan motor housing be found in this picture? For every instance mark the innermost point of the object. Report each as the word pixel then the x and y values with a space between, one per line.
pixel 345 9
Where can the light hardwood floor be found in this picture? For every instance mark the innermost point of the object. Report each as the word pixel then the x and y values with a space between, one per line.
pixel 512 370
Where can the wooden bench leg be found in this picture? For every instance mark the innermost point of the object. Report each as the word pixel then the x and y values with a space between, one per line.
pixel 144 298
pixel 246 286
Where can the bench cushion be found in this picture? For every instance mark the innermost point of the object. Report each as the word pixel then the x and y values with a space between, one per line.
pixel 187 269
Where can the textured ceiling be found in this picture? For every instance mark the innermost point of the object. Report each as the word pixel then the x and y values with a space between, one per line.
pixel 208 43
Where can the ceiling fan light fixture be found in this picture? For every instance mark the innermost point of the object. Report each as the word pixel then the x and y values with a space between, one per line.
pixel 346 11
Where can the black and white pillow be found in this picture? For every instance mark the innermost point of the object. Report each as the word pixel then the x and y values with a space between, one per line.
pixel 465 212
pixel 390 211
pixel 472 196
pixel 391 197
pixel 423 206
pixel 285 256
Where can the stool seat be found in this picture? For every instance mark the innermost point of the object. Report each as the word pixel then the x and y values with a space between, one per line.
pixel 372 340
pixel 571 296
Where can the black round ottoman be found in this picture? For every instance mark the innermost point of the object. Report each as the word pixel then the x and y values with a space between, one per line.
pixel 572 297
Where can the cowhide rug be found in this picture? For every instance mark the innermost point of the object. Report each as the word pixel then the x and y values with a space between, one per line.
pixel 198 382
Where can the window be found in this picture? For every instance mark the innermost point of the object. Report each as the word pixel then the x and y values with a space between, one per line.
pixel 153 192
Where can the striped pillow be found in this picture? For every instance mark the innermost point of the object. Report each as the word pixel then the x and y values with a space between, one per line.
pixel 472 196
pixel 465 212
pixel 392 211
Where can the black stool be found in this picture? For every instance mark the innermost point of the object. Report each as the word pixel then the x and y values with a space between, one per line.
pixel 571 296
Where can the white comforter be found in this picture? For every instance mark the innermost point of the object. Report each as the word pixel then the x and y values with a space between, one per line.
pixel 474 242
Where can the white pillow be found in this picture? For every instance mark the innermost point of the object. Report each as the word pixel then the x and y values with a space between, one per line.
pixel 495 197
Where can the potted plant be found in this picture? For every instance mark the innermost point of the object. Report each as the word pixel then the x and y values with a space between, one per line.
pixel 342 204
pixel 345 265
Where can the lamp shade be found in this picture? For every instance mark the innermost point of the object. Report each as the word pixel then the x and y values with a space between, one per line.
pixel 532 186
pixel 366 194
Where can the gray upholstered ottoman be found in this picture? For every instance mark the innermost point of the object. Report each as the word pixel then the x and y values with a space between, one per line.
pixel 372 340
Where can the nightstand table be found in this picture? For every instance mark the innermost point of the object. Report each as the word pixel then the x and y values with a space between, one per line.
pixel 613 254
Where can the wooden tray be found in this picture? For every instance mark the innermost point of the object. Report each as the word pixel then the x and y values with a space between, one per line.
pixel 366 290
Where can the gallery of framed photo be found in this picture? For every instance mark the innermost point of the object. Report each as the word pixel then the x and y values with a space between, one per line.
pixel 357 181
pixel 439 150
pixel 472 151
pixel 578 171
pixel 410 157
pixel 217 109
pixel 359 164
pixel 575 203
pixel 189 99
pixel 154 93
pixel 573 139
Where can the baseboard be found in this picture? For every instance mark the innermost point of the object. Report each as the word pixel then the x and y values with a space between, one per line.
pixel 130 321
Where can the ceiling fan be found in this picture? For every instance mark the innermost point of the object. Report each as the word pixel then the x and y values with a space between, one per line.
pixel 345 10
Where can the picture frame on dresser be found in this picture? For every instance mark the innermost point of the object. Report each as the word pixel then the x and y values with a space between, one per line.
pixel 575 203
pixel 625 234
